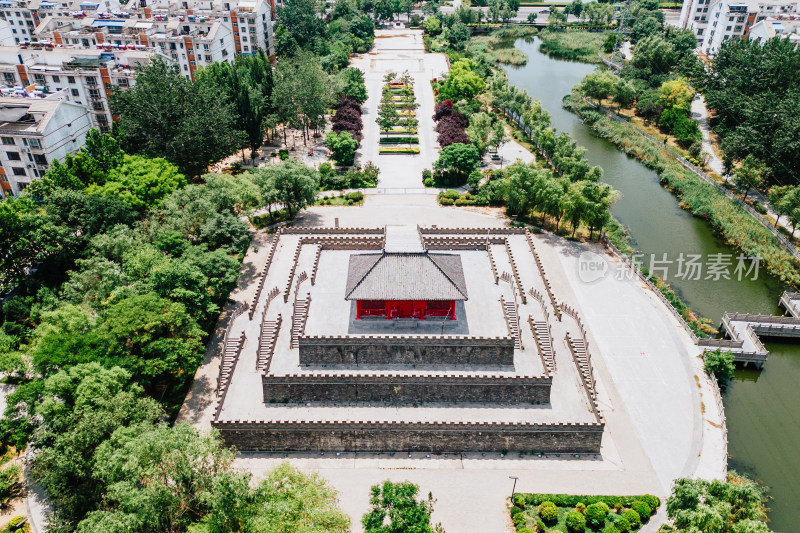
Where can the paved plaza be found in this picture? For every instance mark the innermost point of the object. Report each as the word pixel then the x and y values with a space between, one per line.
pixel 660 414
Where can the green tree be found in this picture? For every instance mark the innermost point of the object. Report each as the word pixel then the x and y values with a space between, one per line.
pixel 295 184
pixel 480 127
pixel 458 157
pixel 675 94
pixel 141 182
pixel 343 147
pixel 350 83
pixel 103 149
pixel 433 26
pixel 387 113
pixel 462 83
pixel 720 365
pixel 624 93
pixel 499 136
pixel 532 16
pixel 395 509
pixel 556 17
pixel 457 35
pixel 749 174
pixel 301 21
pixel 165 115
pixel 599 84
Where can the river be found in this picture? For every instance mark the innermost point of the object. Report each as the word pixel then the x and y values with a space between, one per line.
pixel 761 407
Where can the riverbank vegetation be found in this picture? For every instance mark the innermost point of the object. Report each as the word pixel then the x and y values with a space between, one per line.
pixel 580 46
pixel 736 505
pixel 702 199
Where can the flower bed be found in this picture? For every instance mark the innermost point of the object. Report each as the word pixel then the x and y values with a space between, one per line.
pixel 398 150
pixel 399 140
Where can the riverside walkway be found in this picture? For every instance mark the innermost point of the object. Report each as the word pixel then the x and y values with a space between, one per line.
pixel 745 329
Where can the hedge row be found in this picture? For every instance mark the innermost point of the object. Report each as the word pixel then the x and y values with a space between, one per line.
pixel 570 500
pixel 398 150
pixel 399 140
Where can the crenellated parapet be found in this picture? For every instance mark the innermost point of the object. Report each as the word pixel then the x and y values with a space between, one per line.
pixel 405 388
pixel 453 242
pixel 301 230
pixel 406 350
pixel 436 230
pixel 384 436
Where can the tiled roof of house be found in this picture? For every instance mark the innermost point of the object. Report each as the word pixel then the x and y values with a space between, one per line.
pixel 405 276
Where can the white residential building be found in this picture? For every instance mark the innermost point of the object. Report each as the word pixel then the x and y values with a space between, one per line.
pixel 35 131
pixel 86 76
pixel 769 28
pixel 715 21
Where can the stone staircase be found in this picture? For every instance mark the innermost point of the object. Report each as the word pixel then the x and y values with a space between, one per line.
pixel 544 341
pixel 512 321
pixel 299 317
pixel 230 355
pixel 581 357
pixel 266 343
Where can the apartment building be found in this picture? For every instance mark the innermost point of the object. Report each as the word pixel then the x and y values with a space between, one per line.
pixel 716 21
pixel 768 28
pixel 191 32
pixel 35 130
pixel 86 76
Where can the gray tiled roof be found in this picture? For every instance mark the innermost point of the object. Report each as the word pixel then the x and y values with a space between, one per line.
pixel 405 276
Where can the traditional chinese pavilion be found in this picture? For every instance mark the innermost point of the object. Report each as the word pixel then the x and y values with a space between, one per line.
pixel 405 285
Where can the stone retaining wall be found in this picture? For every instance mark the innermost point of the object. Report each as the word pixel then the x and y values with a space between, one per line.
pixel 436 230
pixel 407 350
pixel 461 243
pixel 406 389
pixel 411 437
pixel 299 230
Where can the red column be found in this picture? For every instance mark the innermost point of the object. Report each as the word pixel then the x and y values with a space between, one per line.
pixel 452 309
pixel 358 309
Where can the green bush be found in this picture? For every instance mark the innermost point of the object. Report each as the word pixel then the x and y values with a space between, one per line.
pixel 652 501
pixel 575 521
pixel 610 529
pixel 540 526
pixel 618 507
pixel 446 201
pixel 759 207
pixel 580 507
pixel 16 522
pixel 642 509
pixel 518 518
pixel 514 510
pixel 452 194
pixel 548 512
pixel 622 524
pixel 571 500
pixel 524 530
pixel 519 501
pixel 9 476
pixel 633 518
pixel 284 154
pixel 356 196
pixel 720 365
pixel 428 182
pixel 596 514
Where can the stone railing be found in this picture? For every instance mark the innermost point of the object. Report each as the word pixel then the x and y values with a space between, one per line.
pixel 263 276
pixel 548 288
pixel 299 317
pixel 544 344
pixel 721 410
pixel 567 310
pixel 346 243
pixel 492 264
pixel 461 243
pixel 515 272
pixel 380 436
pixel 406 388
pixel 300 230
pixel 230 352
pixel 610 63
pixel 288 292
pixel 436 230
pixel 266 343
pixel 586 372
pixel 236 313
pixel 688 165
pixel 791 302
pixel 316 264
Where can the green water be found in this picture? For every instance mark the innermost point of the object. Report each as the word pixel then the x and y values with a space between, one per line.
pixel 761 407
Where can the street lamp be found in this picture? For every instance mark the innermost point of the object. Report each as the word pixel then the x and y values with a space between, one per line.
pixel 515 478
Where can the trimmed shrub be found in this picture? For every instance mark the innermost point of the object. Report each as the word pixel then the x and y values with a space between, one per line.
pixel 759 207
pixel 519 501
pixel 633 518
pixel 580 507
pixel 398 150
pixel 618 507
pixel 652 501
pixel 428 182
pixel 446 201
pixel 524 530
pixel 399 140
pixel 642 508
pixel 610 529
pixel 452 194
pixel 548 512
pixel 514 510
pixel 356 196
pixel 571 500
pixel 540 527
pixel 575 521
pixel 596 514
pixel 518 518
pixel 16 522
pixel 622 524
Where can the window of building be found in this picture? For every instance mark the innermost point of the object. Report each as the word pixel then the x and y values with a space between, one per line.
pixel 208 57
pixel 700 32
pixel 727 28
pixel 123 82
pixel 91 80
pixel 35 144
pixel 70 79
pixel 75 92
pixel 98 106
pixel 205 47
pixel 8 140
pixel 56 79
pixel 246 48
pixel 40 159
pixel 13 156
pixel 9 78
pixel 18 171
pixel 38 78
pixel 192 63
